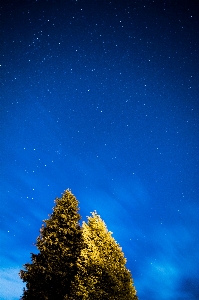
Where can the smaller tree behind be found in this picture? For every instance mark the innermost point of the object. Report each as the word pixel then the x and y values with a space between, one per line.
pixel 102 273
pixel 52 270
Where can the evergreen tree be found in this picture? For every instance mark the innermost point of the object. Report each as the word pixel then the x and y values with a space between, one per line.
pixel 102 273
pixel 52 270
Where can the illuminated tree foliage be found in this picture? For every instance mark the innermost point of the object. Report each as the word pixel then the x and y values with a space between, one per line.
pixel 76 263
pixel 52 270
pixel 101 266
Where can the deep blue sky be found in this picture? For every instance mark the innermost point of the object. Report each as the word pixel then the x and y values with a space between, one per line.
pixel 102 97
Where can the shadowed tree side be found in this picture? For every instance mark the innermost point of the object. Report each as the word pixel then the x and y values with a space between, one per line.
pixel 102 273
pixel 52 270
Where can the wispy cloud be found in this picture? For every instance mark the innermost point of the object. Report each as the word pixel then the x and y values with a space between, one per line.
pixel 11 286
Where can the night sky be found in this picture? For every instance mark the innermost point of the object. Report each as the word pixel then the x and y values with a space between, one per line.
pixel 102 97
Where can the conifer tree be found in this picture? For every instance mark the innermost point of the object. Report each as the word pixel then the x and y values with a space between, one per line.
pixel 102 273
pixel 52 270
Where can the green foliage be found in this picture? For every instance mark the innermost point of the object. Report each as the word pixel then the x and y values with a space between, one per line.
pixel 52 270
pixel 76 262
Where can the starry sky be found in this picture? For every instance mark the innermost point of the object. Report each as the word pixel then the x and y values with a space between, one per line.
pixel 102 97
